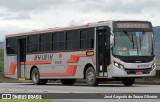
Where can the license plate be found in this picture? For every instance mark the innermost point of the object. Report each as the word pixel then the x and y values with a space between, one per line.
pixel 139 72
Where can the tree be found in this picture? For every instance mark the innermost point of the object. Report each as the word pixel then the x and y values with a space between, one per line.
pixel 1 60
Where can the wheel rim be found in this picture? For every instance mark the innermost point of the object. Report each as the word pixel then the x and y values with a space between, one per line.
pixel 35 77
pixel 90 76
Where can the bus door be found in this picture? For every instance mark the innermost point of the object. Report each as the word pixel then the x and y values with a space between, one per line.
pixel 21 57
pixel 102 50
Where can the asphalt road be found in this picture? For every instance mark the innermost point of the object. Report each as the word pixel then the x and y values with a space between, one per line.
pixel 81 88
pixel 77 88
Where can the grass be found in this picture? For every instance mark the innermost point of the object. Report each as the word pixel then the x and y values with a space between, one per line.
pixel 26 100
pixel 158 66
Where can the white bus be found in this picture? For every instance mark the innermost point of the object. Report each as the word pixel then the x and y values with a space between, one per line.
pixel 105 50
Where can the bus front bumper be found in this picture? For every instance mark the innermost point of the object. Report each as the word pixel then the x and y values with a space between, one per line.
pixel 148 72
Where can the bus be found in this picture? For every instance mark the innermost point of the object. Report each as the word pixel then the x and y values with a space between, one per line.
pixel 100 51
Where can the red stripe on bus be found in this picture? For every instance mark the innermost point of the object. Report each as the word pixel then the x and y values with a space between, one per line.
pixel 52 52
pixel 71 71
pixel 37 62
pixel 13 65
pixel 75 58
pixel 11 69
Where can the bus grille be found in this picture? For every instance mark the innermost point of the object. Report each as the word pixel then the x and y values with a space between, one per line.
pixel 133 71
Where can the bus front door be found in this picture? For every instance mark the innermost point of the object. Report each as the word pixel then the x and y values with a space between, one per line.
pixel 102 50
pixel 21 58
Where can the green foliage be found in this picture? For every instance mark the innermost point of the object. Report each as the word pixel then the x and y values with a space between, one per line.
pixel 1 60
pixel 158 66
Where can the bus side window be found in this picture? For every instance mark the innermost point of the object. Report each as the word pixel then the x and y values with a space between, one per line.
pixel 33 44
pixel 72 40
pixel 87 38
pixel 45 42
pixel 59 41
pixel 11 46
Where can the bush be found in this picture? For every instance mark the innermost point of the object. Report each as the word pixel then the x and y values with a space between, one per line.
pixel 1 60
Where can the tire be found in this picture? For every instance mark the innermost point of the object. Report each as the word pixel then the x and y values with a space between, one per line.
pixel 36 78
pixel 91 79
pixel 68 81
pixel 128 81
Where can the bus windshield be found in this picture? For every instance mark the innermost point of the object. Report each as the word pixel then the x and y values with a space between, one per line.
pixel 133 43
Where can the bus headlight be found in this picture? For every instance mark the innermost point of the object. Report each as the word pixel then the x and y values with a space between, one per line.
pixel 119 65
pixel 154 65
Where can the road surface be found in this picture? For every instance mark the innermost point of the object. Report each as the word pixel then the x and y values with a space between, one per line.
pixel 77 88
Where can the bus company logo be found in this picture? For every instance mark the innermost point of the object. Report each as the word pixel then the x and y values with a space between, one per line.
pixel 6 96
pixel 143 66
pixel 43 57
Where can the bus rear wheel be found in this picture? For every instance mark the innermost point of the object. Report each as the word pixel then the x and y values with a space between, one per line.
pixel 68 81
pixel 128 81
pixel 36 78
pixel 91 77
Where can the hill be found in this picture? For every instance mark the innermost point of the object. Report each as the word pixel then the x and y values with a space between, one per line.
pixel 1 45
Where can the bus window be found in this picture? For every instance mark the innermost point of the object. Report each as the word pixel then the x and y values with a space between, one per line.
pixel 33 42
pixel 72 40
pixel 87 38
pixel 59 41
pixel 11 46
pixel 45 42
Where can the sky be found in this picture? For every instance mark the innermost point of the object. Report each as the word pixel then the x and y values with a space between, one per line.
pixel 18 16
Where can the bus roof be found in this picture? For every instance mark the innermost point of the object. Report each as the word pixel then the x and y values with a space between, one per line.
pixel 100 23
pixel 48 30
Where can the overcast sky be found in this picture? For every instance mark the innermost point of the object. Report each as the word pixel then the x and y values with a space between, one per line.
pixel 26 15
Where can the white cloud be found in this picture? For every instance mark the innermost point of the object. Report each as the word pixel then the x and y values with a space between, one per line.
pixel 26 15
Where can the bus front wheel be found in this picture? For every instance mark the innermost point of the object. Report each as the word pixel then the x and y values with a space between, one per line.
pixel 128 81
pixel 36 78
pixel 91 77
